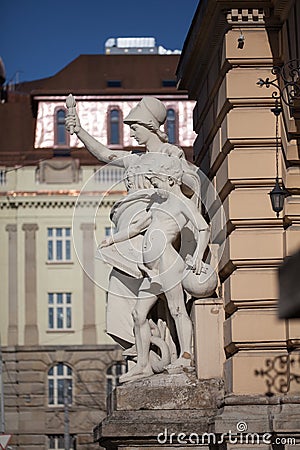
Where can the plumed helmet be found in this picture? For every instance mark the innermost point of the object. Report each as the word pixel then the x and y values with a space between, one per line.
pixel 150 112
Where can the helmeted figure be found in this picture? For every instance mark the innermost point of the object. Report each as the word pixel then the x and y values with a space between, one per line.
pixel 152 195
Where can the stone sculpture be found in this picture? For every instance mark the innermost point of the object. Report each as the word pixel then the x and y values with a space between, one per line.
pixel 157 250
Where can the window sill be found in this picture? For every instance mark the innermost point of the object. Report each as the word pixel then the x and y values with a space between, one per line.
pixel 59 263
pixel 71 331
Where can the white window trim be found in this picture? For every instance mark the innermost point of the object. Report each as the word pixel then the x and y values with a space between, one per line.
pixel 65 306
pixel 55 377
pixel 65 241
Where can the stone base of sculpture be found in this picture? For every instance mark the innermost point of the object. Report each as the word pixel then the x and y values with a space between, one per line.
pixel 141 414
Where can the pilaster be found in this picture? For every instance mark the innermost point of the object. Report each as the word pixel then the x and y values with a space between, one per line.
pixel 31 328
pixel 89 335
pixel 12 284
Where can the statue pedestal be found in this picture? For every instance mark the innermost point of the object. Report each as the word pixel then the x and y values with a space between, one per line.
pixel 159 410
pixel 208 317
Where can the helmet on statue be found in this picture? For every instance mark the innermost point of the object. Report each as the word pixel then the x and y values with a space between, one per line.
pixel 149 112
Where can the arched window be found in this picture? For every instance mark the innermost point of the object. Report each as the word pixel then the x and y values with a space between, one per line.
pixel 114 126
pixel 60 385
pixel 61 137
pixel 171 125
pixel 113 374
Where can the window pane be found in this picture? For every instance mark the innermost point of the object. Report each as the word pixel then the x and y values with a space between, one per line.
pixel 50 371
pixel 70 393
pixel 69 370
pixel 58 231
pixel 51 442
pixel 50 298
pixel 59 250
pixel 61 134
pixel 59 297
pixel 60 318
pixel 68 250
pixel 68 231
pixel 60 128
pixel 51 392
pixel 119 369
pixel 50 250
pixel 68 297
pixel 50 318
pixel 114 126
pixel 60 392
pixel 50 231
pixel 60 369
pixel 171 129
pixel 61 116
pixel 69 318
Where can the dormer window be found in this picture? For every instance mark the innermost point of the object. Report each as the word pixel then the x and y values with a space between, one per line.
pixel 114 83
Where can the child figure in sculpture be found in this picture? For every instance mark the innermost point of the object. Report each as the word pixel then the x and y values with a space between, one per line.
pixel 168 213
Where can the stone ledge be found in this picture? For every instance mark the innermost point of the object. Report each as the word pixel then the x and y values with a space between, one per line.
pixel 167 392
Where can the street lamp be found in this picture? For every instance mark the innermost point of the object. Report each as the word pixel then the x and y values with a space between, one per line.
pixel 277 196
pixel 287 85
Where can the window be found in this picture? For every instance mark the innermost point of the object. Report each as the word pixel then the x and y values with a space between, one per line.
pixel 114 83
pixel 113 374
pixel 2 177
pixel 169 83
pixel 114 126
pixel 59 310
pixel 171 125
pixel 60 385
pixel 59 244
pixel 60 132
pixel 57 442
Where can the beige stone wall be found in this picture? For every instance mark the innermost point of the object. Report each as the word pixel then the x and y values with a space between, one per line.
pixel 27 277
pixel 27 415
pixel 236 147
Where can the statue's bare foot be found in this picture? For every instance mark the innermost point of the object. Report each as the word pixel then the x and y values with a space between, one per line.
pixel 136 373
pixel 184 362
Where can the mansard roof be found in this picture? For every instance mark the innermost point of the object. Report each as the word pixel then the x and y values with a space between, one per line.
pixel 90 74
pixel 86 75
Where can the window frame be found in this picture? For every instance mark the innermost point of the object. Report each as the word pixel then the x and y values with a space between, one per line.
pixel 53 249
pixel 66 143
pixel 65 305
pixel 56 443
pixel 173 108
pixel 120 126
pixel 53 380
pixel 112 377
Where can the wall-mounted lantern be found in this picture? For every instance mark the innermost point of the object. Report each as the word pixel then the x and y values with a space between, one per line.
pixel 287 84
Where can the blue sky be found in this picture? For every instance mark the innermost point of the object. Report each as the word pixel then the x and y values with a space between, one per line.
pixel 40 37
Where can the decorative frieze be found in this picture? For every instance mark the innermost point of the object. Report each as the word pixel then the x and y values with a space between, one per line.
pixel 247 15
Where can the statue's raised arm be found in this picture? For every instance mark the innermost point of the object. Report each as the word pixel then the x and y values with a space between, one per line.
pixel 95 147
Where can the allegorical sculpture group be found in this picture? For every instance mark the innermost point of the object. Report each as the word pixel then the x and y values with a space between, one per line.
pixel 158 246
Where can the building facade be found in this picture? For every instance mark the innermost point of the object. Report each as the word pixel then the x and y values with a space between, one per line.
pixel 55 198
pixel 246 394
